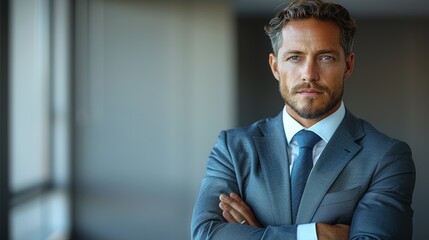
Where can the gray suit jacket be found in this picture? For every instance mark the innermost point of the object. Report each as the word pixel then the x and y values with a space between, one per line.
pixel 362 178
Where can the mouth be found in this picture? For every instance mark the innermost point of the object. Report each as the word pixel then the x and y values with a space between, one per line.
pixel 311 92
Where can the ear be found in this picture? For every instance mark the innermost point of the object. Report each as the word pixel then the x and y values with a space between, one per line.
pixel 274 67
pixel 350 64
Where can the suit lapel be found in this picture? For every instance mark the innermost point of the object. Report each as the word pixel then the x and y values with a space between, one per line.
pixel 271 148
pixel 338 152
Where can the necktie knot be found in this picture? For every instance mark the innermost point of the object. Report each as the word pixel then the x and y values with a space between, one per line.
pixel 306 139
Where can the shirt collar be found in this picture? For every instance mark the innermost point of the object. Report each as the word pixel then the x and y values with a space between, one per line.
pixel 324 128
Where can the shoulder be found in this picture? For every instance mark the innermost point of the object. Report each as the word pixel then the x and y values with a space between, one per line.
pixel 244 137
pixel 242 144
pixel 256 129
pixel 375 135
pixel 374 139
pixel 385 153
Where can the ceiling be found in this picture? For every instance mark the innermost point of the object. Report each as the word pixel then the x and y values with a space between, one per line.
pixel 357 8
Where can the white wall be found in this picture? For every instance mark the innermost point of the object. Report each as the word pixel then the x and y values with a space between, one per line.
pixel 154 86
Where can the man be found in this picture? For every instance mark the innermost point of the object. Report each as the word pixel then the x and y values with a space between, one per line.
pixel 263 182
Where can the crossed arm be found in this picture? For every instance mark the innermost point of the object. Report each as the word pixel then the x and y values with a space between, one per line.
pixel 383 212
pixel 235 210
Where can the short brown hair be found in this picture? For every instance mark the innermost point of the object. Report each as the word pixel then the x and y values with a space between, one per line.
pixel 303 9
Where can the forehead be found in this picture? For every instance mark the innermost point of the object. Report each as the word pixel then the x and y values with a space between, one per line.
pixel 311 34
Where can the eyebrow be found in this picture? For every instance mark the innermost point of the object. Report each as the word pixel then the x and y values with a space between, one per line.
pixel 293 52
pixel 328 51
pixel 323 51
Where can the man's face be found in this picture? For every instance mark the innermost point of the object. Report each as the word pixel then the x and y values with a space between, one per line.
pixel 311 67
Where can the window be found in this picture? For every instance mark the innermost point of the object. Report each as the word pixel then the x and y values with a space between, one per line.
pixel 38 119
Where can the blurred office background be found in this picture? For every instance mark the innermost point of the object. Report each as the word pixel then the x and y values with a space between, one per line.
pixel 109 108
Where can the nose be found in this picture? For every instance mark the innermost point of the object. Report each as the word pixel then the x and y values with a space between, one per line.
pixel 309 71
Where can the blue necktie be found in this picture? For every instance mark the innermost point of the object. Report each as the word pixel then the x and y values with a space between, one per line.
pixel 302 167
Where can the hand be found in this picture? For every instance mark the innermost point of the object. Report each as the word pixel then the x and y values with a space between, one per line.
pixel 235 210
pixel 332 232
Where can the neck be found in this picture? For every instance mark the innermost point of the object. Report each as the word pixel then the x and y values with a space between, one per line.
pixel 308 122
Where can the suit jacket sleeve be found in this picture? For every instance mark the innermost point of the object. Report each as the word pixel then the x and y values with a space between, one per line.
pixel 385 212
pixel 207 220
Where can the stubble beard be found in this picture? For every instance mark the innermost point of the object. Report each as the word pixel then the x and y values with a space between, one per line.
pixel 308 109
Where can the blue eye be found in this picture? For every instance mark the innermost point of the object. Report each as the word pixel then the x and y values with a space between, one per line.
pixel 327 58
pixel 294 58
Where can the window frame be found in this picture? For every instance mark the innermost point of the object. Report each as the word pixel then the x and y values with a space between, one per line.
pixel 4 119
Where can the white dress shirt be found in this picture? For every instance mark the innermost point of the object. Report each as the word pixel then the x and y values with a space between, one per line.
pixel 325 129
